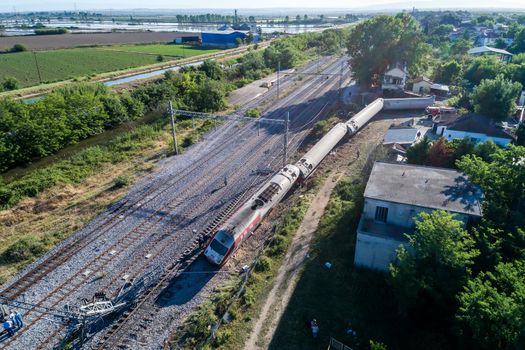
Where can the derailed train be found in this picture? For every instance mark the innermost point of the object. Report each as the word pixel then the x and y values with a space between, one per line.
pixel 246 219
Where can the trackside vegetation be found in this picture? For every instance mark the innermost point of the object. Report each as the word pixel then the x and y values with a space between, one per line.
pixel 23 245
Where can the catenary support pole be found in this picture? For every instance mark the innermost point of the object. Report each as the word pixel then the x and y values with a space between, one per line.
pixel 285 151
pixel 173 130
pixel 341 79
pixel 278 78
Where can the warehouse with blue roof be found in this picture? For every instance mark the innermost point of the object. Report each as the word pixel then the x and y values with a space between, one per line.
pixel 225 39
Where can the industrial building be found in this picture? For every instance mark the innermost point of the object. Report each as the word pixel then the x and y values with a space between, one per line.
pixel 225 39
pixel 395 195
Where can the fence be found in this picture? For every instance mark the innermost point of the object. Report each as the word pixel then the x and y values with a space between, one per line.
pixel 337 345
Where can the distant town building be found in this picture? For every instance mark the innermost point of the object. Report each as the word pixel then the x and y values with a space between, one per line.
pixel 423 85
pixel 521 101
pixel 478 127
pixel 395 195
pixel 222 39
pixel 503 55
pixel 395 78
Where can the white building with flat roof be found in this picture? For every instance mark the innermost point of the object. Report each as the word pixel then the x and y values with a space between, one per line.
pixel 395 195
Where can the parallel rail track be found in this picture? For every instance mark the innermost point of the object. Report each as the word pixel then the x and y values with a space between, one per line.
pixel 118 214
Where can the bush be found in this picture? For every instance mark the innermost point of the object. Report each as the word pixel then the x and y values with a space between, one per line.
pixel 121 181
pixel 50 31
pixel 248 298
pixel 264 264
pixel 222 337
pixel 189 140
pixel 253 113
pixel 27 248
pixel 160 58
pixel 18 48
pixel 278 246
pixel 10 83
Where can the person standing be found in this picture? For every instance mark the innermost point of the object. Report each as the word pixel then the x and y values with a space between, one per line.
pixel 315 328
pixel 8 326
pixel 18 319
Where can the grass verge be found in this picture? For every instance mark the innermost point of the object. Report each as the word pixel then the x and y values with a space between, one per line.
pixel 344 296
pixel 57 200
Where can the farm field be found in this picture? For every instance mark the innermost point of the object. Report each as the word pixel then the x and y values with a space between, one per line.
pixel 164 49
pixel 68 41
pixel 59 65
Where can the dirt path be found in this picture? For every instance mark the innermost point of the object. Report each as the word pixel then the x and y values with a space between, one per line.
pixel 289 272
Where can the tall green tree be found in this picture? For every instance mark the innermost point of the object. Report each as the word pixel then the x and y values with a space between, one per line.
pixel 496 98
pixel 383 41
pixel 448 72
pixel 492 307
pixel 435 266
pixel 502 180
pixel 518 45
pixel 418 153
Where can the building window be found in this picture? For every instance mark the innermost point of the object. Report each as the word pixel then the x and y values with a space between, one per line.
pixel 381 214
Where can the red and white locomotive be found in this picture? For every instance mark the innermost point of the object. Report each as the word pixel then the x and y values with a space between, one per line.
pixel 245 220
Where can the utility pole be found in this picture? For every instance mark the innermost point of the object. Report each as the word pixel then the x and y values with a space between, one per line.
pixel 37 68
pixel 285 152
pixel 341 80
pixel 278 78
pixel 173 131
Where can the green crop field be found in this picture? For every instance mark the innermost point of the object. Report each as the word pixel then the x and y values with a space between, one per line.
pixel 56 65
pixel 164 49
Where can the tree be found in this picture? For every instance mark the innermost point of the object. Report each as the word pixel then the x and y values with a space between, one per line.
pixel 10 83
pixel 440 154
pixel 482 68
pixel 501 179
pixel 500 44
pixel 212 69
pixel 377 43
pixel 520 134
pixel 496 98
pixel 518 45
pixel 418 153
pixel 435 266
pixel 460 47
pixel 238 42
pixel 492 307
pixel 448 72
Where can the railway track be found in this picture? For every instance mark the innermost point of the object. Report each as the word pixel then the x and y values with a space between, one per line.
pixel 70 286
pixel 117 214
pixel 126 328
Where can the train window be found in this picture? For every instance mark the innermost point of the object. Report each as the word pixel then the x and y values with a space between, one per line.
pixel 219 248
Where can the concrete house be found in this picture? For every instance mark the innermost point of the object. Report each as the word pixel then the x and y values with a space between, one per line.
pixel 421 85
pixel 477 127
pixel 394 78
pixel 394 196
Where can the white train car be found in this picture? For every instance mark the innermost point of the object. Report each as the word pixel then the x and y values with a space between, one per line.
pixel 245 220
pixel 392 104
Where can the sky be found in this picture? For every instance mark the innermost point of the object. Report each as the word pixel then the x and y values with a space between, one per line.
pixel 36 5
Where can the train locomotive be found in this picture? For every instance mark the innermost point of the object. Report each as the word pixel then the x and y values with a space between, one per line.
pixel 247 218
